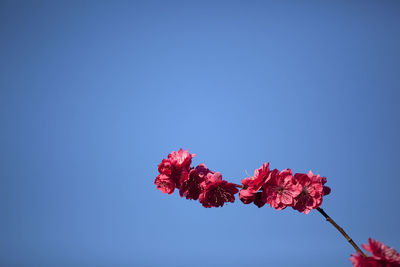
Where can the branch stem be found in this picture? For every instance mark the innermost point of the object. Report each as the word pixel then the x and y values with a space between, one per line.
pixel 340 229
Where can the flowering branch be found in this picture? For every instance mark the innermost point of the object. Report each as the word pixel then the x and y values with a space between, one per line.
pixel 280 189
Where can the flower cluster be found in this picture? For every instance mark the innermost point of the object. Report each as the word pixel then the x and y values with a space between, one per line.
pixel 382 256
pixel 173 170
pixel 193 182
pixel 281 189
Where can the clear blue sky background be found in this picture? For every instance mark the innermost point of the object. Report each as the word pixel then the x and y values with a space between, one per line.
pixel 94 94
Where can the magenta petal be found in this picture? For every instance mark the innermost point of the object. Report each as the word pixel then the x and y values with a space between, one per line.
pixel 247 195
pixel 286 199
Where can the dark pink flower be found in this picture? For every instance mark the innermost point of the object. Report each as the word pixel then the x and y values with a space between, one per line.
pixel 261 175
pixel 382 255
pixel 251 185
pixel 247 196
pixel 359 260
pixel 192 185
pixel 177 166
pixel 217 191
pixel 280 190
pixel 381 251
pixel 181 159
pixel 312 191
pixel 165 167
pixel 212 177
pixel 165 183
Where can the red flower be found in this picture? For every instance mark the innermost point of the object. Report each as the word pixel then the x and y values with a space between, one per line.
pixel 280 190
pixel 193 184
pixel 361 261
pixel 165 167
pixel 382 255
pixel 251 185
pixel 312 191
pixel 247 195
pixel 176 167
pixel 217 191
pixel 181 159
pixel 165 183
pixel 261 175
pixel 381 251
pixel 212 177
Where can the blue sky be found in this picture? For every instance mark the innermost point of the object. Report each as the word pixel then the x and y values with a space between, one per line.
pixel 93 94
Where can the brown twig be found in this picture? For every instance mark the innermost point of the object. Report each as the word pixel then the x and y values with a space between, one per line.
pixel 340 229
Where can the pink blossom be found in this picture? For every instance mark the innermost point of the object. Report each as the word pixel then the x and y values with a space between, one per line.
pixel 212 177
pixel 192 185
pixel 280 190
pixel 382 255
pixel 261 175
pixel 165 183
pixel 312 191
pixel 165 167
pixel 381 251
pixel 251 185
pixel 181 159
pixel 361 261
pixel 217 191
pixel 176 167
pixel 247 196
